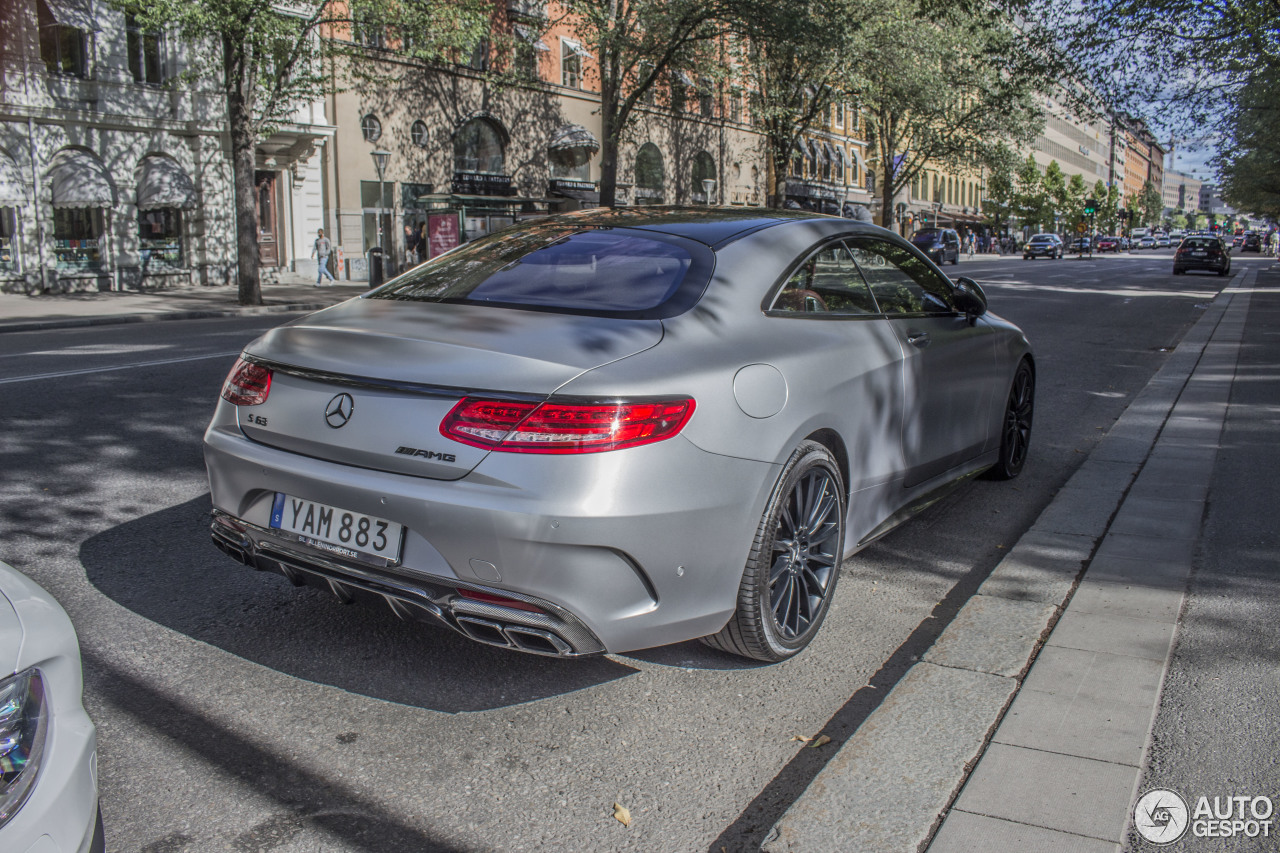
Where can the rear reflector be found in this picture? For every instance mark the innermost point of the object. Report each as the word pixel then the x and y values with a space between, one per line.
pixel 247 384
pixel 519 427
pixel 500 600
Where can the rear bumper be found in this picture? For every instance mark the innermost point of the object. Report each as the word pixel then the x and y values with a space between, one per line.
pixel 619 551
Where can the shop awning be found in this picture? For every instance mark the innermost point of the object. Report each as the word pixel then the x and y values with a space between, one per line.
pixel 13 191
pixel 73 13
pixel 78 179
pixel 831 152
pixel 576 47
pixel 573 136
pixel 163 184
pixel 527 35
pixel 819 155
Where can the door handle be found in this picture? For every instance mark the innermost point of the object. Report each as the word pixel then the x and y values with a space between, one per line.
pixel 918 339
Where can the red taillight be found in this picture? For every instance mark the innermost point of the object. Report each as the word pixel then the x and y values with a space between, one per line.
pixel 564 428
pixel 500 600
pixel 247 384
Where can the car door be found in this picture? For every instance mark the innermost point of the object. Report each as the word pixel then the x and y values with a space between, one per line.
pixel 949 362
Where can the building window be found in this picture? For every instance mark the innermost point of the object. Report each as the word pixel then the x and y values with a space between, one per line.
pixel 418 133
pixel 840 165
pixel 479 56
pixel 160 239
pixel 826 160
pixel 77 232
pixel 8 239
pixel 707 99
pixel 369 34
pixel 371 128
pixel 571 54
pixel 571 164
pixel 478 147
pixel 64 49
pixel 146 53
pixel 837 114
pixel 528 51
pixel 735 106
pixel 649 175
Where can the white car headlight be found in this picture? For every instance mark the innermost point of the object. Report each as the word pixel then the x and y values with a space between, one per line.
pixel 24 723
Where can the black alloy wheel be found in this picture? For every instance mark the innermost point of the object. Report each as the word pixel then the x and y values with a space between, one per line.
pixel 1015 432
pixel 794 563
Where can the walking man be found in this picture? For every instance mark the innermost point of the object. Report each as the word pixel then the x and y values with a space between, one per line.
pixel 321 251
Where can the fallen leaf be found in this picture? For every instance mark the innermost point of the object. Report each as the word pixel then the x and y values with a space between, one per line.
pixel 802 738
pixel 622 814
pixel 820 740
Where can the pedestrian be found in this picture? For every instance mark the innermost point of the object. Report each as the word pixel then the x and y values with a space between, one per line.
pixel 1275 243
pixel 970 243
pixel 320 251
pixel 422 242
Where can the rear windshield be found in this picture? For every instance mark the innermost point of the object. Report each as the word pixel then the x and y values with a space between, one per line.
pixel 615 272
pixel 1200 243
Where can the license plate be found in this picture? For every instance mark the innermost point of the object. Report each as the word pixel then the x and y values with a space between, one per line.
pixel 1199 253
pixel 341 532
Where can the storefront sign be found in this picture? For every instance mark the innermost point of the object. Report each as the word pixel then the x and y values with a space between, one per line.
pixel 442 233
pixel 480 183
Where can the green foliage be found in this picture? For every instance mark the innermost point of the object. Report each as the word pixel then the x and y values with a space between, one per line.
pixel 1150 204
pixel 942 90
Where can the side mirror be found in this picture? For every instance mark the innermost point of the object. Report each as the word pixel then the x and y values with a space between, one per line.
pixel 969 298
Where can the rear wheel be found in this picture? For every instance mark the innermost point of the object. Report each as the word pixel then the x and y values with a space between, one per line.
pixel 794 563
pixel 1015 433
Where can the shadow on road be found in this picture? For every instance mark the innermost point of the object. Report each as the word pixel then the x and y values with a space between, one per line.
pixel 163 567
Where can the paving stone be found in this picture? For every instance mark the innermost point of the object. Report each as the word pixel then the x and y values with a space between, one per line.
pixel 887 785
pixel 1155 574
pixel 1083 512
pixel 1158 518
pixel 1103 474
pixel 1041 567
pixel 1087 704
pixel 1122 635
pixel 963 832
pixel 992 635
pixel 1139 601
pixel 1146 548
pixel 1062 792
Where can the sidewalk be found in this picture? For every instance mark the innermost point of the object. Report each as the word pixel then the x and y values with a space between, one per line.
pixel 1027 725
pixel 20 313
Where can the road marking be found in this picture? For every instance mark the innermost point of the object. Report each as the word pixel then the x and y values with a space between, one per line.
pixel 62 374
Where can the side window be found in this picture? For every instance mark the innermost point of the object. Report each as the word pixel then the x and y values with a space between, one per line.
pixel 901 282
pixel 828 282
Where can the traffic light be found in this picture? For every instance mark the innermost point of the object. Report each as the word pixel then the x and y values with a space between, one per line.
pixel 1090 207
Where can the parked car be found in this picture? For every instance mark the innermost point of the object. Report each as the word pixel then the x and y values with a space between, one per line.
pixel 1202 253
pixel 941 245
pixel 1043 245
pixel 1107 243
pixel 1252 242
pixel 1082 244
pixel 48 744
pixel 617 429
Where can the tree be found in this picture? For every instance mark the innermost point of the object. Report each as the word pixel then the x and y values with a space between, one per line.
pixel 998 204
pixel 1151 204
pixel 942 90
pixel 269 60
pixel 796 60
pixel 639 45
pixel 1032 204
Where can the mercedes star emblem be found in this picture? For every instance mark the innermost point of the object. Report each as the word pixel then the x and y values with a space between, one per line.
pixel 339 411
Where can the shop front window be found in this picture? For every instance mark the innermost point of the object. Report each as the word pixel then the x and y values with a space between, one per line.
pixel 77 235
pixel 160 239
pixel 8 240
pixel 649 175
pixel 571 164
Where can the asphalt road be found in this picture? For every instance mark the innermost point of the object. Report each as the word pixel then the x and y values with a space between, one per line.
pixel 236 712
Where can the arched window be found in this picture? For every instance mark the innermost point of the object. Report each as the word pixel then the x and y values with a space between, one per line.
pixel 704 169
pixel 418 133
pixel 649 175
pixel 478 147
pixel 371 128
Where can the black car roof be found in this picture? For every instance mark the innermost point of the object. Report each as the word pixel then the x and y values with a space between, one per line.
pixel 711 226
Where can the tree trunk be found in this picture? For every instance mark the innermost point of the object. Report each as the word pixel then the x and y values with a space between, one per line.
pixel 887 192
pixel 609 143
pixel 240 124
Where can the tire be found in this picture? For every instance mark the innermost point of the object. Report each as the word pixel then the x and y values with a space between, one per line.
pixel 1015 430
pixel 794 563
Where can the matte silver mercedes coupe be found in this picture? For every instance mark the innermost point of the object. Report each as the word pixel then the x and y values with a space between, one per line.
pixel 613 430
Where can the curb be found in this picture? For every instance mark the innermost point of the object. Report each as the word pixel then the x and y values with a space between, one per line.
pixel 893 781
pixel 194 314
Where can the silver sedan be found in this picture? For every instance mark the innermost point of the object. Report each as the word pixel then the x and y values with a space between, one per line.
pixel 613 430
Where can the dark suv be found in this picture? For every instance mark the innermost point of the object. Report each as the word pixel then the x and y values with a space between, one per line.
pixel 1048 245
pixel 942 245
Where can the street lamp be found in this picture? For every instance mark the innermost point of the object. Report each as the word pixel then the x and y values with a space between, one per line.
pixel 708 187
pixel 380 159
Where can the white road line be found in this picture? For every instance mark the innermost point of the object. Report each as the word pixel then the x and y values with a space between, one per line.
pixel 85 371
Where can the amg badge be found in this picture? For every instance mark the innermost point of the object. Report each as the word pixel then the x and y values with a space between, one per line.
pixel 426 454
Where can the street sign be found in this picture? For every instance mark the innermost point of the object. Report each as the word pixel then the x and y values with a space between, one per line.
pixel 1080 226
